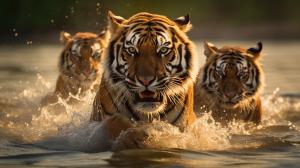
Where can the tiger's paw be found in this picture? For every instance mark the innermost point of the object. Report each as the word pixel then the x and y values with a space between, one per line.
pixel 115 125
pixel 132 138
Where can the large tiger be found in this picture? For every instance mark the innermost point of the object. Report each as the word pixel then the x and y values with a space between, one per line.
pixel 149 73
pixel 230 84
pixel 80 64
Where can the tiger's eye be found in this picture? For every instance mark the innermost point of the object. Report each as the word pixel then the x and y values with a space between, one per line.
pixel 131 50
pixel 164 50
pixel 97 54
pixel 243 76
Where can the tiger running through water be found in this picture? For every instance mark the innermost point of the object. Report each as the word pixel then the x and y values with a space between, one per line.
pixel 149 72
pixel 230 84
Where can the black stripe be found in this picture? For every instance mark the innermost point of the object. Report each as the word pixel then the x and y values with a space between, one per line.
pixel 111 98
pixel 163 26
pixel 133 114
pixel 174 39
pixel 134 26
pixel 257 78
pixel 158 29
pixel 187 56
pixel 182 110
pixel 158 33
pixel 138 30
pixel 111 55
pixel 184 76
pixel 205 74
pixel 115 77
pixel 165 113
pixel 62 58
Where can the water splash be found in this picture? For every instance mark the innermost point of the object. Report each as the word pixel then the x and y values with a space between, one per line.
pixel 203 134
pixel 69 128
pixel 30 122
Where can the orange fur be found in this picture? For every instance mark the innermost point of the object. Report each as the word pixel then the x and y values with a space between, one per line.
pixel 229 85
pixel 80 65
pixel 112 99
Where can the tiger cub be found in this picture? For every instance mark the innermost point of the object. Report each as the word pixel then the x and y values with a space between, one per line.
pixel 149 73
pixel 80 65
pixel 230 83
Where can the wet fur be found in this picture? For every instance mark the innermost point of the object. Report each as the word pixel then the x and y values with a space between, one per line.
pixel 111 99
pixel 249 109
pixel 68 85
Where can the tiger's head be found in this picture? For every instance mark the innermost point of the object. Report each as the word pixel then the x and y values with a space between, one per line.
pixel 80 59
pixel 150 59
pixel 232 74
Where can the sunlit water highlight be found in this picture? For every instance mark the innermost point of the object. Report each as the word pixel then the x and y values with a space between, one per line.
pixel 35 136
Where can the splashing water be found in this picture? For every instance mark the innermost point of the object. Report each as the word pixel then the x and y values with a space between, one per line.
pixel 45 137
pixel 31 123
pixel 69 129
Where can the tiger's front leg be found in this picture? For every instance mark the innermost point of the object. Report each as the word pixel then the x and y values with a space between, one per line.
pixel 115 125
pixel 104 133
pixel 133 138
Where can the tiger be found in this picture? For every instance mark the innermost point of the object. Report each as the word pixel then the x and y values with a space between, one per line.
pixel 230 83
pixel 79 65
pixel 149 72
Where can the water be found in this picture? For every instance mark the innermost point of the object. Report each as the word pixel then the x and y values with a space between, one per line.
pixel 31 136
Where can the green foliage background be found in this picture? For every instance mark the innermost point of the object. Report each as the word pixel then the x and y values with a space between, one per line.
pixel 35 17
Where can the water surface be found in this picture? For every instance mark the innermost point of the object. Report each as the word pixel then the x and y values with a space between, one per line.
pixel 31 136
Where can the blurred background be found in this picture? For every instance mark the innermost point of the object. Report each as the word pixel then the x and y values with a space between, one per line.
pixel 36 21
pixel 29 33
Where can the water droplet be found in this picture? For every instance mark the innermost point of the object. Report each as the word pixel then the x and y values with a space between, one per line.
pixel 29 42
pixel 72 10
pixel 52 21
pixel 16 34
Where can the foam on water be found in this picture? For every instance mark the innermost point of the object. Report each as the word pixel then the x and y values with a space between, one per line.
pixel 69 129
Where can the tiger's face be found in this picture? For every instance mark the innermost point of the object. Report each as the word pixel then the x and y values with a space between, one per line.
pixel 232 74
pixel 150 57
pixel 80 60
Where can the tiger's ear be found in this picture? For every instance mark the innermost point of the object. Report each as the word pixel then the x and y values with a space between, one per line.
pixel 209 49
pixel 114 22
pixel 255 51
pixel 105 35
pixel 65 37
pixel 184 23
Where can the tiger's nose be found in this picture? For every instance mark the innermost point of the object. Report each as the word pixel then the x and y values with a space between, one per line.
pixel 230 94
pixel 146 80
pixel 87 72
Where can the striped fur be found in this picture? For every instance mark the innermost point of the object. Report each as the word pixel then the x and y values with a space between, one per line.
pixel 80 64
pixel 149 71
pixel 230 83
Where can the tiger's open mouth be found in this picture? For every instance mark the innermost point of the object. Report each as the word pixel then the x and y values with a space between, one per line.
pixel 230 103
pixel 148 96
